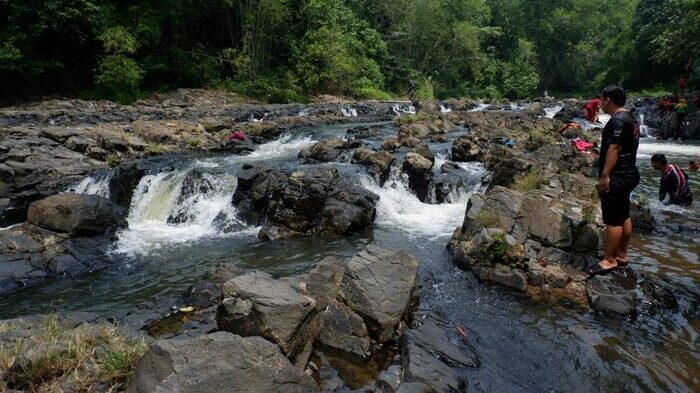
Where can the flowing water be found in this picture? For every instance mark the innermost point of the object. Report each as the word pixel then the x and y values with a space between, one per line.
pixel 523 346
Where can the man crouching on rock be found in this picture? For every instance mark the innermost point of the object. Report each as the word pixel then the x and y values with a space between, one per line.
pixel 618 176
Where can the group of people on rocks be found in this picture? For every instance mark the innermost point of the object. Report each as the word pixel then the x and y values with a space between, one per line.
pixel 618 176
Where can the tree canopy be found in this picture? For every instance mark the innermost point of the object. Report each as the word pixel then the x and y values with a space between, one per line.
pixel 282 50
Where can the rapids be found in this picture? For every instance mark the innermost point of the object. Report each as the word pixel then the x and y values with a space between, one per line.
pixel 523 346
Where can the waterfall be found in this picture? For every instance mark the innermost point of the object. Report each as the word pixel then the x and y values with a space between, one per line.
pixel 480 107
pixel 399 208
pixel 178 207
pixel 304 112
pixel 444 109
pixel 348 111
pixel 93 185
pixel 254 120
pixel 551 112
pixel 404 109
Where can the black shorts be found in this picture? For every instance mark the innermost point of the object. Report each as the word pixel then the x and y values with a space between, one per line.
pixel 615 204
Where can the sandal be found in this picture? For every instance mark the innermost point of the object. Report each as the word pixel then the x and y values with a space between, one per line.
pixel 622 263
pixel 598 270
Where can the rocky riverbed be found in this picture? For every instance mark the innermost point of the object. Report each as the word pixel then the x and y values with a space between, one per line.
pixel 402 253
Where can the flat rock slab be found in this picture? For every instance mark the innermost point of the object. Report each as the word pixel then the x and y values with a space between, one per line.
pixel 76 214
pixel 218 362
pixel 379 285
pixel 430 358
pixel 256 304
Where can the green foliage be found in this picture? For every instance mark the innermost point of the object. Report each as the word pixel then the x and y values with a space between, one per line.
pixel 528 182
pixel 496 251
pixel 282 50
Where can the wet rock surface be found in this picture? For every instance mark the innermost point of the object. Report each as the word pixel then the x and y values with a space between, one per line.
pixel 77 214
pixel 288 203
pixel 218 362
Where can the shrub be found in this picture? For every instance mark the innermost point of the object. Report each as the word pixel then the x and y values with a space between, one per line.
pixel 528 182
pixel 496 251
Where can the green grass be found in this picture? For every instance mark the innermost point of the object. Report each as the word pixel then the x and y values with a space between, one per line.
pixel 155 149
pixel 528 182
pixel 412 119
pixel 487 219
pixel 113 159
pixel 85 357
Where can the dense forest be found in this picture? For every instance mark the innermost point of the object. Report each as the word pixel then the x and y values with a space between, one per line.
pixel 285 50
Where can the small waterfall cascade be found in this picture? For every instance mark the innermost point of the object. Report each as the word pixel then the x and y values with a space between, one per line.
pixel 549 113
pixel 402 109
pixel 348 111
pixel 93 185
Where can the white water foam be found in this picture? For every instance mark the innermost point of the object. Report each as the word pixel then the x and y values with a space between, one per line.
pixel 287 146
pixel 157 199
pixel 348 111
pixel 399 208
pixel 92 185
pixel 404 109
pixel 444 109
pixel 480 107
pixel 674 149
pixel 551 112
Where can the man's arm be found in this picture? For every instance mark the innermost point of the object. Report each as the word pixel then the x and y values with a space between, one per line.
pixel 610 162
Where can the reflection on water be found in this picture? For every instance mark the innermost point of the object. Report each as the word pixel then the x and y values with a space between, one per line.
pixel 523 346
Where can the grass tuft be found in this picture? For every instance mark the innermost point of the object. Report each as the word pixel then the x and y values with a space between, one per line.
pixel 528 182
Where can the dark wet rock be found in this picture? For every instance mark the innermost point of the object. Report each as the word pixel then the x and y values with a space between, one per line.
pixel 641 217
pixel 195 185
pixel 306 201
pixel 344 331
pixel 614 294
pixel 446 185
pixel 465 149
pixel 660 293
pixel 207 291
pixel 378 163
pixel 255 304
pixel 505 166
pixel 430 358
pixel 124 181
pixel 30 254
pixel 240 147
pixel 388 381
pixel 77 214
pixel 327 150
pixel 419 171
pixel 504 276
pixel 217 362
pixel 379 284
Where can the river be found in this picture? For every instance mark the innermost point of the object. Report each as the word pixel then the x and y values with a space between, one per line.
pixel 523 346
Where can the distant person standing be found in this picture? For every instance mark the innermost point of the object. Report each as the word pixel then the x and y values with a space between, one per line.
pixel 681 113
pixel 618 176
pixel 591 109
pixel 674 182
pixel 411 91
pixel 682 83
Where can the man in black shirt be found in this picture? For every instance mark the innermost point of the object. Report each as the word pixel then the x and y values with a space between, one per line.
pixel 618 176
pixel 674 182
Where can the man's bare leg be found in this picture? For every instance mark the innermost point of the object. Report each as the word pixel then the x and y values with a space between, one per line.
pixel 625 241
pixel 613 239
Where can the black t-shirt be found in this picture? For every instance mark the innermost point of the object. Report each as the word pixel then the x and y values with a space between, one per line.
pixel 622 129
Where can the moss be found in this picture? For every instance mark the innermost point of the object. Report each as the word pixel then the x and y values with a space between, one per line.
pixel 528 182
pixel 194 142
pixel 588 214
pixel 496 251
pixel 113 159
pixel 54 353
pixel 487 219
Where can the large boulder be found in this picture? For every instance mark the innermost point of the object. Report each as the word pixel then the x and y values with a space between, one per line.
pixel 419 170
pixel 303 202
pixel 218 362
pixel 77 214
pixel 327 150
pixel 256 304
pixel 430 358
pixel 378 163
pixel 614 294
pixel 465 149
pixel 379 284
pixel 124 181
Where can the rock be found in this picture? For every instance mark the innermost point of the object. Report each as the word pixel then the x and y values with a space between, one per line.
pixel 379 285
pixel 378 163
pixel 614 293
pixel 327 150
pixel 510 278
pixel 429 357
pixel 641 217
pixel 504 166
pixel 207 291
pixel 60 135
pixel 419 171
pixel 660 292
pixel 124 181
pixel 255 304
pixel 424 151
pixel 344 332
pixel 447 185
pixel 301 203
pixel 218 362
pixel 543 222
pixel 194 186
pixel 464 149
pixel 77 214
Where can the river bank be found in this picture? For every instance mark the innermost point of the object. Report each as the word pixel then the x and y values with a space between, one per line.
pixel 416 177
